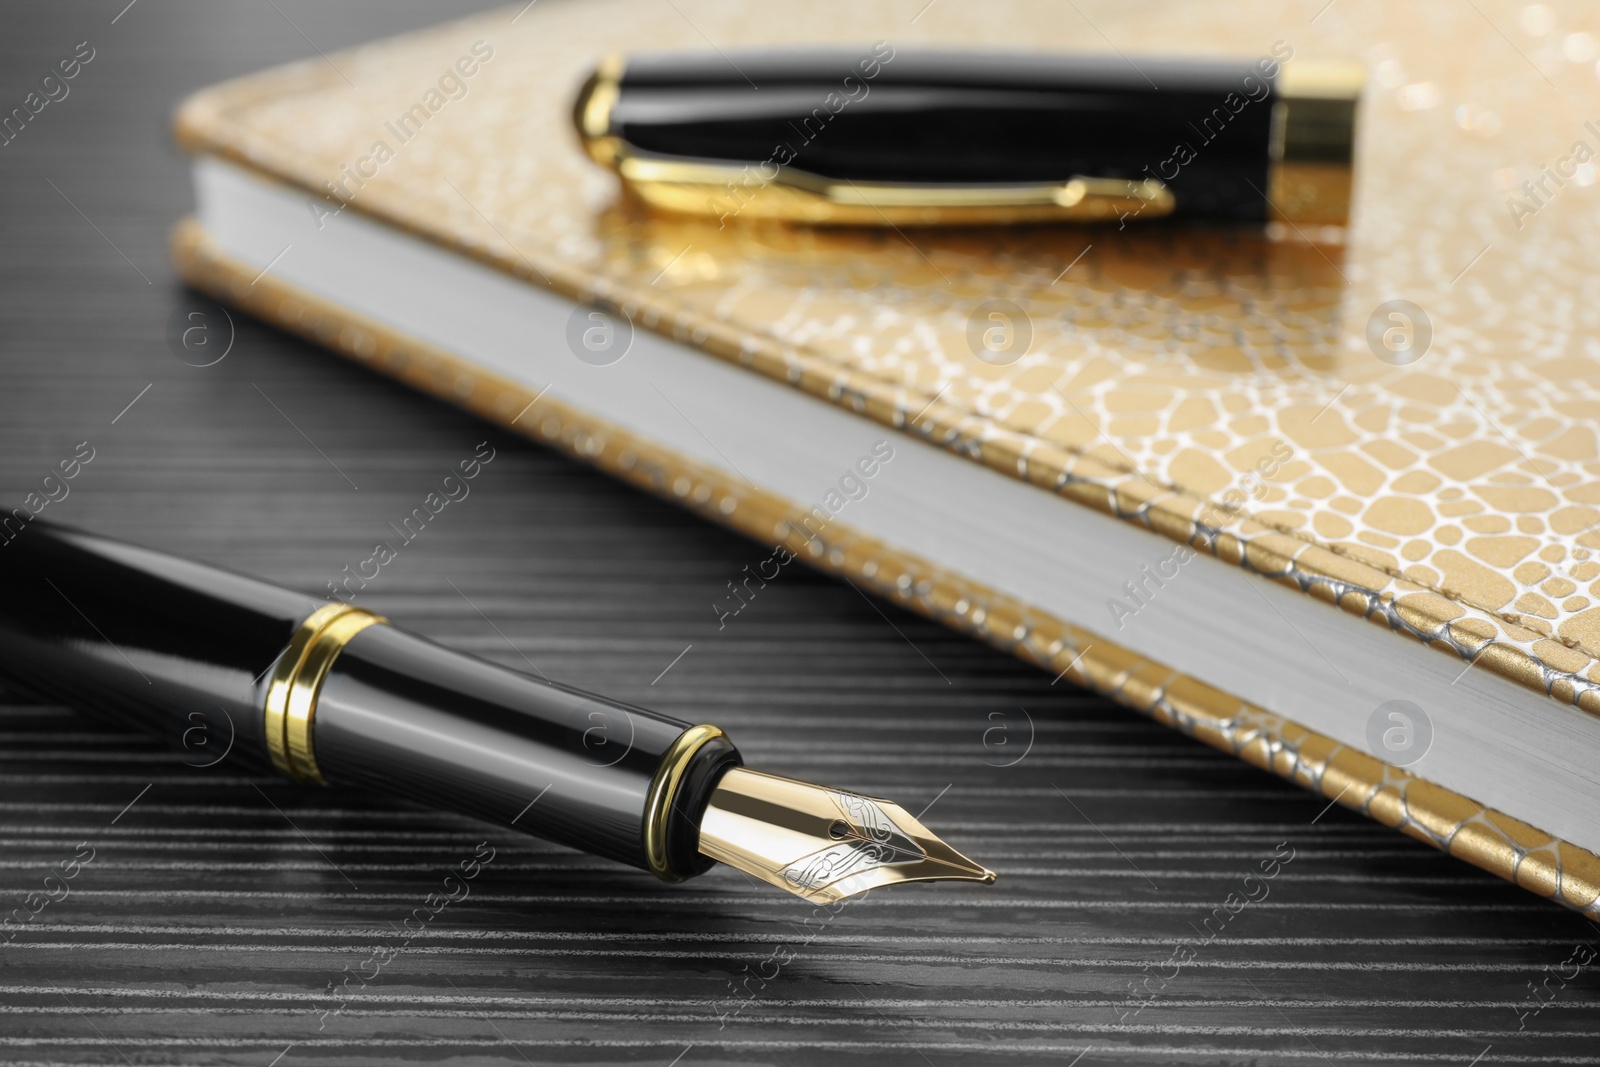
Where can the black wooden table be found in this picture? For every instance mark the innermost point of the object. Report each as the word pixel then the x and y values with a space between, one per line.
pixel 219 908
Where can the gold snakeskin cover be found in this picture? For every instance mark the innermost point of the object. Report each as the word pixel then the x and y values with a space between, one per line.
pixel 1197 383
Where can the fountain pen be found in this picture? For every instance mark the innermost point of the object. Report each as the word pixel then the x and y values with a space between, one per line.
pixel 329 692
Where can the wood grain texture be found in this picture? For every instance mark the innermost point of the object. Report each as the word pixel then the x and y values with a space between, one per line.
pixel 219 905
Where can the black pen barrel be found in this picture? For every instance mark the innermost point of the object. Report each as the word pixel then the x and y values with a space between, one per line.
pixel 328 692
pixel 138 637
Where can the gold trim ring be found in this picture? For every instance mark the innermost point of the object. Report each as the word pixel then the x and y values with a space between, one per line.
pixel 663 790
pixel 291 704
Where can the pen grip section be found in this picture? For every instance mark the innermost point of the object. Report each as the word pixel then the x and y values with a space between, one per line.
pixel 403 715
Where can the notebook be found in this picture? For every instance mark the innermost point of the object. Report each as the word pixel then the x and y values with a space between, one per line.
pixel 1325 500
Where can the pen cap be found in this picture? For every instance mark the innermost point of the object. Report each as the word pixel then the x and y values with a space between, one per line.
pixel 880 136
pixel 139 637
pixel 399 713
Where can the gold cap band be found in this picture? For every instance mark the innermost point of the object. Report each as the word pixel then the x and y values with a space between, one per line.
pixel 291 704
pixel 1313 142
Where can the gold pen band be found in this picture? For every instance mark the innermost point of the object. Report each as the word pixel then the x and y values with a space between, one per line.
pixel 291 705
pixel 663 790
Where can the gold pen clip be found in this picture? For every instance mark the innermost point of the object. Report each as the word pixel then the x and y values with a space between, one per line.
pixel 721 190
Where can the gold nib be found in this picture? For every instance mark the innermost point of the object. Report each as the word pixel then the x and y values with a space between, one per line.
pixel 823 844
